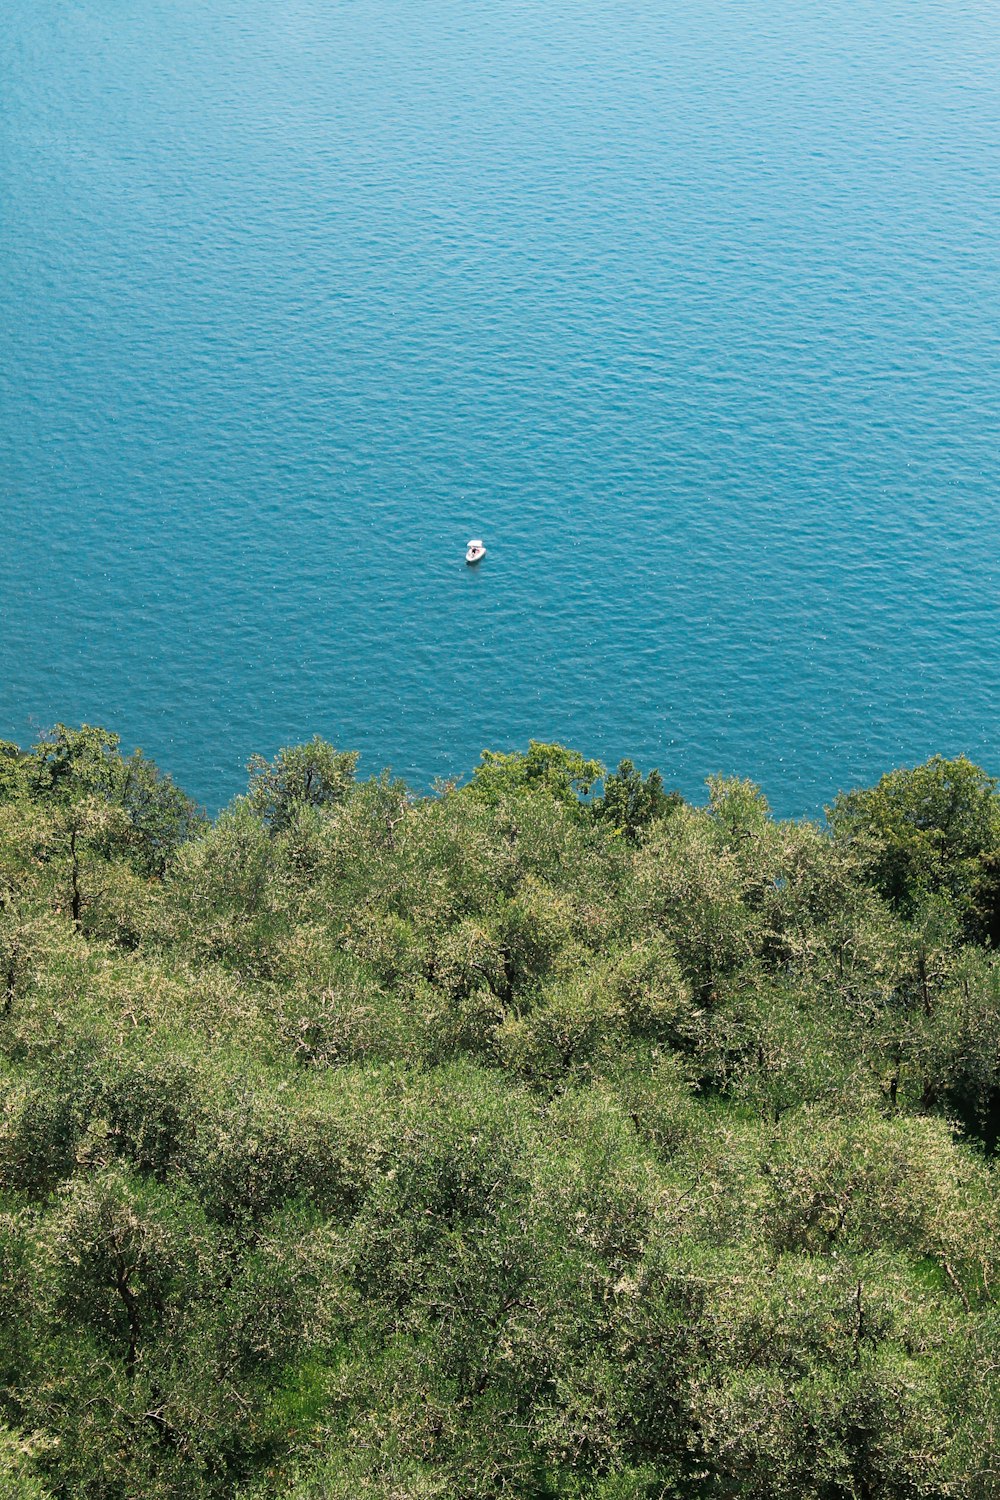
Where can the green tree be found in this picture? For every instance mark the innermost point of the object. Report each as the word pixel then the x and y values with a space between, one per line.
pixel 310 775
pixel 933 828
pixel 12 770
pixel 565 775
pixel 629 803
pixel 82 770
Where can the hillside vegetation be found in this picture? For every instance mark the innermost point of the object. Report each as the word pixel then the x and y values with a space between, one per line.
pixel 543 1137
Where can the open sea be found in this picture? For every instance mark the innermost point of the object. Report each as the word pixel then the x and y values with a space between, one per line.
pixel 689 308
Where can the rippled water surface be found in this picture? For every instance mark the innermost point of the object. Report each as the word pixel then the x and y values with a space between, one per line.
pixel 691 309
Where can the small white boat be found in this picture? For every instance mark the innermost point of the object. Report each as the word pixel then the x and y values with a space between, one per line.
pixel 475 551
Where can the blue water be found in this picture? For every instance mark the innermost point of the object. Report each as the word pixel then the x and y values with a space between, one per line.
pixel 690 308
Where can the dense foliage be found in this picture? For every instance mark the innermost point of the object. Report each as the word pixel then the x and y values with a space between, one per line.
pixel 520 1140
